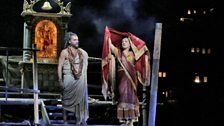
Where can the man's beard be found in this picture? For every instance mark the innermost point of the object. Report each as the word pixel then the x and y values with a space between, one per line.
pixel 75 46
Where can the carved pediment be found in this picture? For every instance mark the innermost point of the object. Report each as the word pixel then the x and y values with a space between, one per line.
pixel 46 8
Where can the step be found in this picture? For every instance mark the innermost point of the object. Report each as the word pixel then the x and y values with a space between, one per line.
pixel 59 122
pixel 52 108
pixel 59 114
pixel 14 124
pixel 53 102
pixel 2 80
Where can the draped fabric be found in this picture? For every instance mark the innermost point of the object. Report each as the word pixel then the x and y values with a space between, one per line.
pixel 122 73
pixel 141 56
pixel 77 72
pixel 126 93
pixel 75 94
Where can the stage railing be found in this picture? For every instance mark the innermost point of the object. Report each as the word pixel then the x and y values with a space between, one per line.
pixel 35 78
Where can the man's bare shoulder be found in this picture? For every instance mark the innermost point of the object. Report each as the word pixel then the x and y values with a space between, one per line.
pixel 64 52
pixel 83 51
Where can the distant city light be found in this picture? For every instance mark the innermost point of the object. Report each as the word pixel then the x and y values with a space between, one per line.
pixel 212 9
pixel 194 11
pixel 203 51
pixel 200 79
pixel 205 79
pixel 162 74
pixel 183 19
pixel 197 79
pixel 188 12
pixel 192 50
pixel 200 50
pixel 209 51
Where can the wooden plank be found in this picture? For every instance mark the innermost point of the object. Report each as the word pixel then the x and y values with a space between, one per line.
pixel 155 73
pixel 16 101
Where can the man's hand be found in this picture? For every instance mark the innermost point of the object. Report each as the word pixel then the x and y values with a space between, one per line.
pixel 61 84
